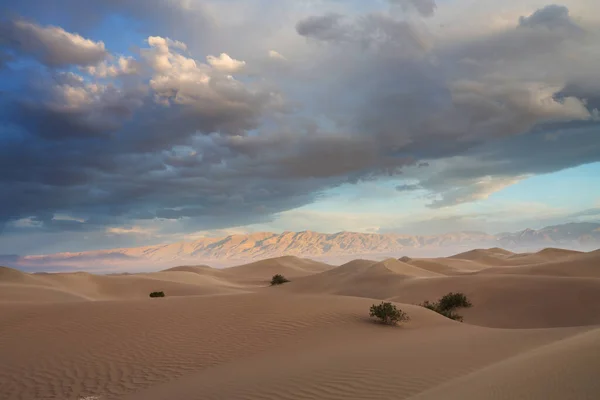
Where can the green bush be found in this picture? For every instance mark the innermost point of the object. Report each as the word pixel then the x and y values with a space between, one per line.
pixel 452 301
pixel 278 280
pixel 157 294
pixel 388 314
pixel 448 304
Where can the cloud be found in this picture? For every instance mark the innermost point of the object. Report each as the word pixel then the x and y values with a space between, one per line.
pixel 168 134
pixel 408 187
pixel 276 55
pixel 122 66
pixel 132 230
pixel 322 27
pixel 65 105
pixel 51 45
pixel 379 32
pixel 550 17
pixel 425 8
pixel 225 63
pixel 469 191
pixel 591 212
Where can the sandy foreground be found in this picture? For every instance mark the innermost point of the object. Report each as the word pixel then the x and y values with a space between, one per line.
pixel 533 332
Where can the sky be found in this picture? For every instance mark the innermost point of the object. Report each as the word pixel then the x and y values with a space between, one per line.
pixel 138 122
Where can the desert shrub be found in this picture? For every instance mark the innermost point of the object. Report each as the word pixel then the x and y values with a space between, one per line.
pixel 448 304
pixel 388 314
pixel 157 294
pixel 278 280
pixel 431 306
pixel 453 301
pixel 450 314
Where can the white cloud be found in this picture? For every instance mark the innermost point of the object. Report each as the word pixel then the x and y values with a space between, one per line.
pixel 122 66
pixel 466 191
pixel 225 63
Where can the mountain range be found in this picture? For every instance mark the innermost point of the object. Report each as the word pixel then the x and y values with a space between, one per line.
pixel 337 247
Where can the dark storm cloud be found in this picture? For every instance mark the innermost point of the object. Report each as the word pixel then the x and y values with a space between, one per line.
pixel 323 27
pixel 551 17
pixel 487 168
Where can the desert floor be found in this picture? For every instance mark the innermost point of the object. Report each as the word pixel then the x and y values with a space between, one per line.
pixel 533 331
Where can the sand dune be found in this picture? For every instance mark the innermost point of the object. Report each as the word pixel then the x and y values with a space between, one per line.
pixel 84 286
pixel 252 342
pixel 572 264
pixel 260 272
pixel 196 269
pixel 485 256
pixel 405 269
pixel 368 363
pixel 572 363
pixel 449 266
pixel 225 334
pixel 502 301
pixel 508 301
pixel 360 278
pixel 496 257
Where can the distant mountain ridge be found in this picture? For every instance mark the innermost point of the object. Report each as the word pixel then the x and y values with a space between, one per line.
pixel 315 245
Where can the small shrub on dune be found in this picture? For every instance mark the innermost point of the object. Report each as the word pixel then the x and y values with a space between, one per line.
pixel 450 314
pixel 388 314
pixel 157 294
pixel 431 306
pixel 278 280
pixel 448 304
pixel 452 301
